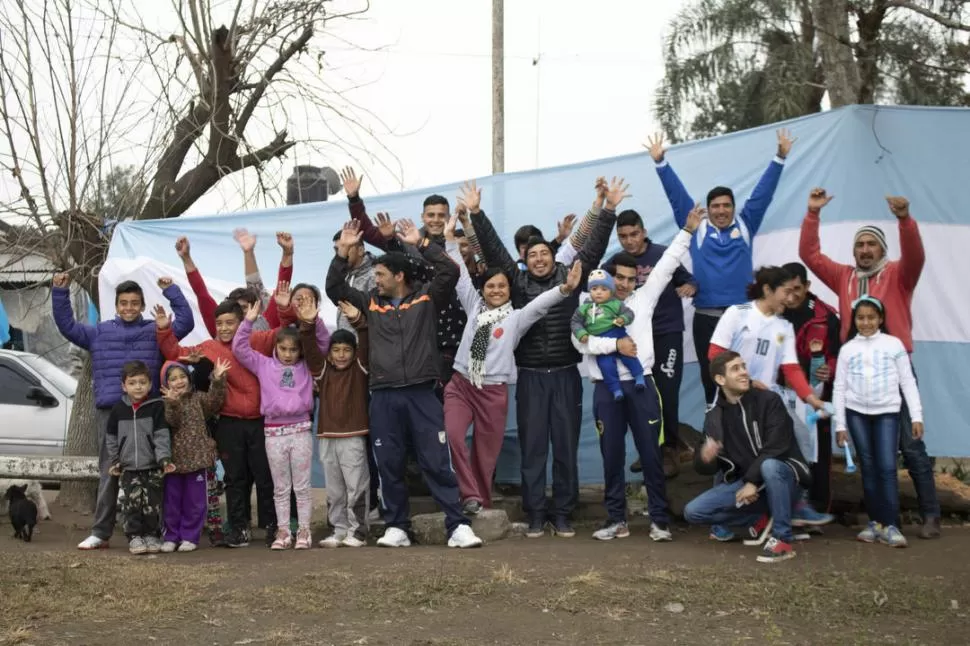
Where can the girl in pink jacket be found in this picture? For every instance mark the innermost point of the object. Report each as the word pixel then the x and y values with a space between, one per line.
pixel 286 403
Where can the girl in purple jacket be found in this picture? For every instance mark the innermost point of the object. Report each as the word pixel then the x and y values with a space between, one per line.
pixel 286 403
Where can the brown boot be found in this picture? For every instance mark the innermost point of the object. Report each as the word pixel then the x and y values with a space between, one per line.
pixel 930 528
pixel 671 462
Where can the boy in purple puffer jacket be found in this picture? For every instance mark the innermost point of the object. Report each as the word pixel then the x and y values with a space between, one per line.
pixel 127 337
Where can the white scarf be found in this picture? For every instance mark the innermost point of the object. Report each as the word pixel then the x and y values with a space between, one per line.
pixel 485 321
pixel 863 276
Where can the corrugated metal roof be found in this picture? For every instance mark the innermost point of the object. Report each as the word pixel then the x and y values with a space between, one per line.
pixel 31 268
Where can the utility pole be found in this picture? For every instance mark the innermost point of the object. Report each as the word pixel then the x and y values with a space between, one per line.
pixel 498 86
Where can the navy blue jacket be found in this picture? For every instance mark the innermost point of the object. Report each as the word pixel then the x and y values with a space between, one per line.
pixel 668 316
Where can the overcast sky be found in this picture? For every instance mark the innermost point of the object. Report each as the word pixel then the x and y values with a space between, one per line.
pixel 579 84
pixel 589 96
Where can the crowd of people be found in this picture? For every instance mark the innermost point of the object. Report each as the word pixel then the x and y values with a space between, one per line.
pixel 432 332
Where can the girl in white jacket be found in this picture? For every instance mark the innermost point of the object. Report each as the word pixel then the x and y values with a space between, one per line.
pixel 872 369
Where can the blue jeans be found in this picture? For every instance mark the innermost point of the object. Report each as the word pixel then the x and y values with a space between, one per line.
pixel 875 438
pixel 717 506
pixel 608 366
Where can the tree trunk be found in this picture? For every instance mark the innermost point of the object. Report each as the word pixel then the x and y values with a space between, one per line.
pixel 838 63
pixel 82 439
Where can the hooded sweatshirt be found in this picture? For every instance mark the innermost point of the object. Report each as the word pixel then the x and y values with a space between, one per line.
pixel 137 437
pixel 344 394
pixel 193 448
pixel 285 391
pixel 360 277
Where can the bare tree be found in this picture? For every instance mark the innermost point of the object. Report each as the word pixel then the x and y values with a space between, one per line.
pixel 196 93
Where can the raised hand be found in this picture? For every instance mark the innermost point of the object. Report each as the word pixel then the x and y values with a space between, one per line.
pixel 182 247
pixel 566 227
pixel 350 236
pixel 351 182
pixel 193 357
pixel 285 241
pixel 307 311
pixel 450 227
pixel 220 368
pixel 165 282
pixel 817 199
pixel 61 279
pixel 349 310
pixel 282 295
pixel 408 232
pixel 245 239
pixel 694 218
pixel 385 225
pixel 655 145
pixel 574 277
pixel 785 141
pixel 162 318
pixel 168 394
pixel 461 212
pixel 899 206
pixel 252 312
pixel 601 187
pixel 616 193
pixel 471 197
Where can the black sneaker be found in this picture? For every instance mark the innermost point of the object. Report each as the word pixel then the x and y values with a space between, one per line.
pixel 563 528
pixel 536 528
pixel 270 535
pixel 236 538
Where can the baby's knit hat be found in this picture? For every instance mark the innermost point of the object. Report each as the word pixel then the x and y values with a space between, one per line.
pixel 599 278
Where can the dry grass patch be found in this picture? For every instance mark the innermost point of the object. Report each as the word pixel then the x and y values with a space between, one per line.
pixel 505 574
pixel 48 588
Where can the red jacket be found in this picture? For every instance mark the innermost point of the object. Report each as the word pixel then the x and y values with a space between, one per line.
pixel 207 304
pixel 894 285
pixel 242 387
pixel 823 325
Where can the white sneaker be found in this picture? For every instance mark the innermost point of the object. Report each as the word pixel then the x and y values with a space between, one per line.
pixel 353 541
pixel 93 543
pixel 660 534
pixel 186 546
pixel 463 537
pixel 334 540
pixel 394 537
pixel 153 544
pixel 168 547
pixel 137 545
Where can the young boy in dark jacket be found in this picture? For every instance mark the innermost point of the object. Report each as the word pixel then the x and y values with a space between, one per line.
pixel 140 452
pixel 193 451
pixel 342 381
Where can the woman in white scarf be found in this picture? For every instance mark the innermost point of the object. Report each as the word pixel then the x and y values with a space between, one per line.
pixel 477 394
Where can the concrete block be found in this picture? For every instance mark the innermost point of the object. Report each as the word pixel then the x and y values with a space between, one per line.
pixel 55 469
pixel 489 525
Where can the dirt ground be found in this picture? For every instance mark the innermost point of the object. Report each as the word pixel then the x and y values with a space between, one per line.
pixel 516 591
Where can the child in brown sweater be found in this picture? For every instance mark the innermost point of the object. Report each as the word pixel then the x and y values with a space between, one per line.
pixel 342 381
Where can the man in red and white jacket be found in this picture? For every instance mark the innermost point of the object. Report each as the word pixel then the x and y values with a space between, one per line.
pixel 892 282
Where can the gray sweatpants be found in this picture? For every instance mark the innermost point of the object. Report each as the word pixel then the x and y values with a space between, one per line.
pixel 348 483
pixel 106 509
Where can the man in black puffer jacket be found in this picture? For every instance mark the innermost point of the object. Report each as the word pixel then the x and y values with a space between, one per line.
pixel 750 438
pixel 549 391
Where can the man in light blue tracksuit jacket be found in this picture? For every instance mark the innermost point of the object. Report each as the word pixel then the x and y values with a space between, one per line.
pixel 721 251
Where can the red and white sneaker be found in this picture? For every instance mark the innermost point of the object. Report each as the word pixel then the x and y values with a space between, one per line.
pixel 776 550
pixel 759 532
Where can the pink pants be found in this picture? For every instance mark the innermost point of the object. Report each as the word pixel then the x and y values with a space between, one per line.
pixel 290 461
pixel 486 408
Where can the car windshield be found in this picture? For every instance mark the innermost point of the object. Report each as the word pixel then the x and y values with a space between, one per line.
pixel 61 380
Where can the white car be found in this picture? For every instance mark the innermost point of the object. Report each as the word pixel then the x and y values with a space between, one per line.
pixel 36 398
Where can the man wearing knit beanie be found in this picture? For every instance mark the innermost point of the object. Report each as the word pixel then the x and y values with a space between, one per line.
pixel 892 282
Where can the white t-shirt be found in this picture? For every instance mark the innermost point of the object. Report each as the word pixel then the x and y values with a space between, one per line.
pixel 764 342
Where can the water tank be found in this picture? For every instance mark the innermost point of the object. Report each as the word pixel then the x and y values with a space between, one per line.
pixel 306 184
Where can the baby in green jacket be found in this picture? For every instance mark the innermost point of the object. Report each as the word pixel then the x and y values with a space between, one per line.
pixel 605 315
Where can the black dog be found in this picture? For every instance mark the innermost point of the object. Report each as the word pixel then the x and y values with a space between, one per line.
pixel 23 513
